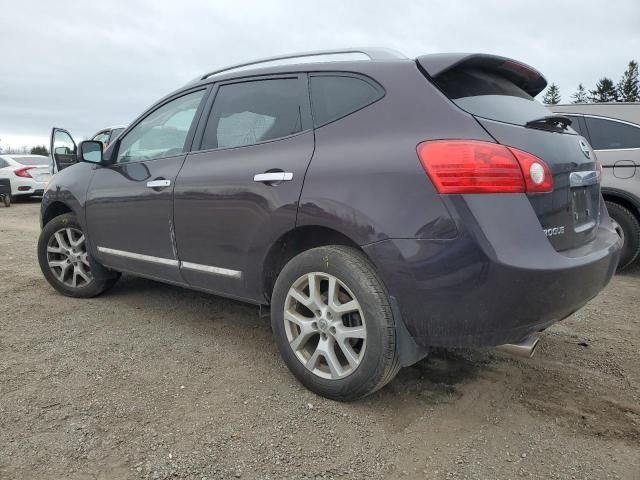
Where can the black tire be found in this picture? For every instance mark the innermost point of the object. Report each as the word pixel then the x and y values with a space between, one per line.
pixel 100 282
pixel 6 200
pixel 379 363
pixel 630 226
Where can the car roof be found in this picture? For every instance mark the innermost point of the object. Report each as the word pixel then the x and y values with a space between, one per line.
pixel 294 61
pixel 109 128
pixel 20 155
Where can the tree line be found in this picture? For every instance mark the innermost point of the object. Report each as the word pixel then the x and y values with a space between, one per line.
pixel 37 150
pixel 626 90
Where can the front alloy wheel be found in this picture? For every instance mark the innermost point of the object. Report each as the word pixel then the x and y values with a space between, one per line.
pixel 67 258
pixel 325 325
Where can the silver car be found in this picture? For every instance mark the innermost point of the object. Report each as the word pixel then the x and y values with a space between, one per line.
pixel 613 129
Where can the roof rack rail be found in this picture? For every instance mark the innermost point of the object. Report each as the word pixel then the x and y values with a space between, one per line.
pixel 374 53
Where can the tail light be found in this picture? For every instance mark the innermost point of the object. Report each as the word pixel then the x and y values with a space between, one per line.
pixel 23 172
pixel 471 166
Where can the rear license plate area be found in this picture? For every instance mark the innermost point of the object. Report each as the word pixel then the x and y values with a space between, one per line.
pixel 583 208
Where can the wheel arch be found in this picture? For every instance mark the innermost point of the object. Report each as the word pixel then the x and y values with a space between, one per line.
pixel 622 198
pixel 294 242
pixel 53 210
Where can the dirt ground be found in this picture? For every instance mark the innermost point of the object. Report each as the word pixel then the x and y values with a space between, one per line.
pixel 153 381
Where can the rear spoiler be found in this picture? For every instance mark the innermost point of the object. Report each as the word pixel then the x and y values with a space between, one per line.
pixel 527 78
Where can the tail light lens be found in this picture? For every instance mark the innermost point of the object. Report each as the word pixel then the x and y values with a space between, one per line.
pixel 537 176
pixel 23 172
pixel 470 166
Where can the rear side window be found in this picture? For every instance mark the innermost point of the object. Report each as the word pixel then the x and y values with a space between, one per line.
pixel 252 112
pixel 486 94
pixel 612 135
pixel 576 124
pixel 3 163
pixel 335 96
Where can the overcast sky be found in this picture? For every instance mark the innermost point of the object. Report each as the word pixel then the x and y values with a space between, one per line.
pixel 87 65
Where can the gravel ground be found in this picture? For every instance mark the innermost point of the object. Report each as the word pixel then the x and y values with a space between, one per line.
pixel 153 381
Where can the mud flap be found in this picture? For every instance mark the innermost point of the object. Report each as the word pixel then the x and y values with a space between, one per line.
pixel 409 352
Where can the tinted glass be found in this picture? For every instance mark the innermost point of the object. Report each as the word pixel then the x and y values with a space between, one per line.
pixel 3 163
pixel 102 137
pixel 335 96
pixel 162 133
pixel 576 125
pixel 253 112
pixel 32 160
pixel 488 95
pixel 114 134
pixel 610 135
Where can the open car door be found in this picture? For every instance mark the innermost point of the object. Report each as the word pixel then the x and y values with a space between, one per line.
pixel 63 149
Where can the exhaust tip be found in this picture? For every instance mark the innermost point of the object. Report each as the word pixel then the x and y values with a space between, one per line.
pixel 524 349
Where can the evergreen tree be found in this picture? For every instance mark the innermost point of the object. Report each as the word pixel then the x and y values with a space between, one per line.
pixel 605 91
pixel 629 85
pixel 580 96
pixel 39 150
pixel 552 95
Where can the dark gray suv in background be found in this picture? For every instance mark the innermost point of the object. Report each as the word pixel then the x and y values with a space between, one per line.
pixel 379 205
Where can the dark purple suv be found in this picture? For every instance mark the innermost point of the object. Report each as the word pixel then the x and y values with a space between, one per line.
pixel 380 205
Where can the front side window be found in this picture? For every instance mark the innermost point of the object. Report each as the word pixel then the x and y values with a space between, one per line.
pixel 611 135
pixel 334 96
pixel 252 112
pixel 162 133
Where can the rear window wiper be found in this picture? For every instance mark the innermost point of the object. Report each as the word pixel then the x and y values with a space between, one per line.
pixel 550 122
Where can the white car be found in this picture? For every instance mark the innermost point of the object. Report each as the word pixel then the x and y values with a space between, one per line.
pixel 27 174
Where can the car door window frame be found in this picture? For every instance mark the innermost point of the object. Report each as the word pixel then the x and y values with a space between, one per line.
pixel 307 123
pixel 188 143
pixel 610 119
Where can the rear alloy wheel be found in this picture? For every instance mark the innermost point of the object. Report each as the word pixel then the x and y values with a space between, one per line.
pixel 333 324
pixel 64 260
pixel 628 227
pixel 325 325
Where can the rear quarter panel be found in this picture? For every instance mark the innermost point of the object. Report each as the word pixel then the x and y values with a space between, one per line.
pixel 365 179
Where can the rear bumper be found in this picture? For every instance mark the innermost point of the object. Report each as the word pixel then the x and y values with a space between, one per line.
pixel 499 281
pixel 27 186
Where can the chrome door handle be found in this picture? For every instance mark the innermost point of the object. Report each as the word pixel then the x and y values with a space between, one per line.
pixel 273 177
pixel 158 183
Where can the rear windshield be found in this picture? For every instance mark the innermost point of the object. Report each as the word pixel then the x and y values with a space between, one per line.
pixel 488 95
pixel 32 160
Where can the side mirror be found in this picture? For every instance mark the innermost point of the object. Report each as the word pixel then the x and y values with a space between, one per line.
pixel 90 151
